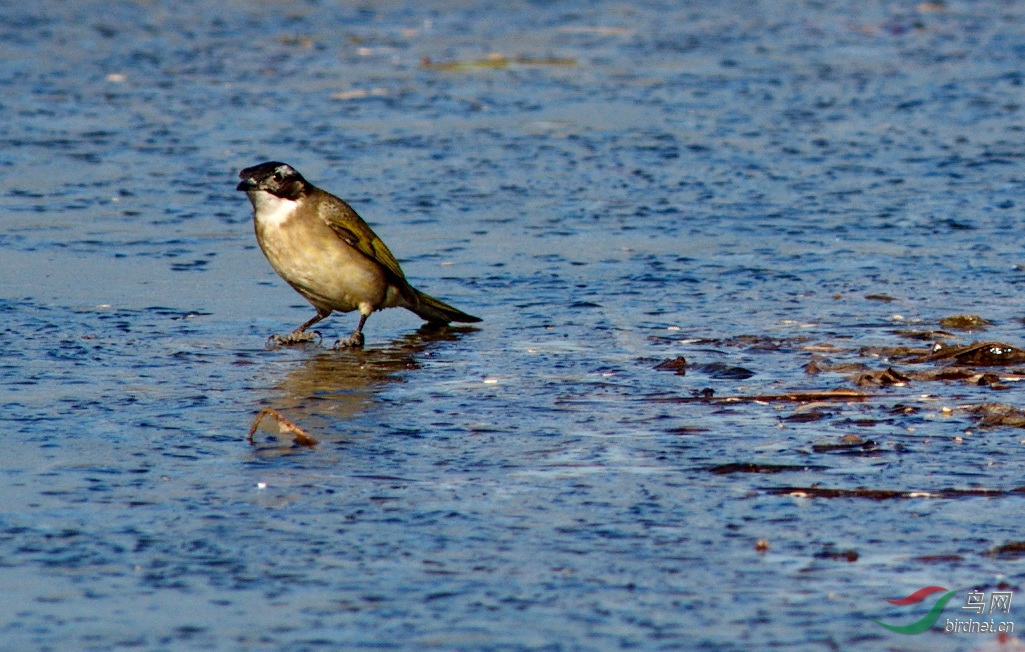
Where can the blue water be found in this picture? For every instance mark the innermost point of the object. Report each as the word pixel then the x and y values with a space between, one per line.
pixel 726 182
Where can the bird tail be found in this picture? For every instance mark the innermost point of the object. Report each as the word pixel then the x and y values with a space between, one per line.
pixel 439 312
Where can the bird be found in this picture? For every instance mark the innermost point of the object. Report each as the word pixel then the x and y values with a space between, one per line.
pixel 321 247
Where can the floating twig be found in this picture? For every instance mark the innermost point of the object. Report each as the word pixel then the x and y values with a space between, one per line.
pixel 300 436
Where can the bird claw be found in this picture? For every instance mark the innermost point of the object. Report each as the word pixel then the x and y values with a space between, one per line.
pixel 294 337
pixel 354 341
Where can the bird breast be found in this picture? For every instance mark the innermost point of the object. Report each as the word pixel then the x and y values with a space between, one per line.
pixel 304 251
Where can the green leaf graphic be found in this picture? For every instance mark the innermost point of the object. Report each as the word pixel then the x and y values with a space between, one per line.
pixel 925 622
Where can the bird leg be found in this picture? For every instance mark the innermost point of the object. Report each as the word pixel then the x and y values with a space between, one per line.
pixel 299 335
pixel 355 340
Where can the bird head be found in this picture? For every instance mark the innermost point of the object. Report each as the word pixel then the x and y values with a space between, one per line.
pixel 278 179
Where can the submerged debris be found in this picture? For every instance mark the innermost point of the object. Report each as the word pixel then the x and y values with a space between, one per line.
pixel 911 354
pixel 821 366
pixel 965 323
pixel 717 370
pixel 1010 550
pixel 756 342
pixel 961 360
pixel 965 363
pixel 495 60
pixel 846 443
pixel 887 494
pixel 992 381
pixel 677 365
pixel 841 555
pixel 806 416
pixel 993 415
pixel 687 430
pixel 359 93
pixel 978 354
pixel 723 371
pixel 944 373
pixel 888 376
pixel 928 336
pixel 939 559
pixel 750 467
pixel 300 436
pixel 792 397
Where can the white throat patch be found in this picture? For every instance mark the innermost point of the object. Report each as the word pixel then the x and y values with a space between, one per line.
pixel 270 210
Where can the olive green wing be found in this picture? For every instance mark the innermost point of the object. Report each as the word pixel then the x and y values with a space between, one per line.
pixel 349 226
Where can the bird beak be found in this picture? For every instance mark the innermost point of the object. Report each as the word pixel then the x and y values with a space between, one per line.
pixel 247 185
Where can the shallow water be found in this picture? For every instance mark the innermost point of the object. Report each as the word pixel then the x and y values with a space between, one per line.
pixel 725 182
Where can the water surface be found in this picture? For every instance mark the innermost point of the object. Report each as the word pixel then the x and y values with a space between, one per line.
pixel 750 186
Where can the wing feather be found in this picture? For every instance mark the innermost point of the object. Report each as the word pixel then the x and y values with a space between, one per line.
pixel 350 227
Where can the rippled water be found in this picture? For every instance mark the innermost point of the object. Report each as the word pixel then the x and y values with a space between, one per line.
pixel 750 186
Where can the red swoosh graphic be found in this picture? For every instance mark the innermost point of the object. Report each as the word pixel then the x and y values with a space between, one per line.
pixel 918 595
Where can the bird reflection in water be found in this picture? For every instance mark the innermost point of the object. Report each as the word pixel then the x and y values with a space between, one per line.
pixel 334 386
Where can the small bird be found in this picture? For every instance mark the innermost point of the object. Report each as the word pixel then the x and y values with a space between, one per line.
pixel 323 249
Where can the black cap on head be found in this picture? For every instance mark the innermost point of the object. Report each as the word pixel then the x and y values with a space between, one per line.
pixel 279 179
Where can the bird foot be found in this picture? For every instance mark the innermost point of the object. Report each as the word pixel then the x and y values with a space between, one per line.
pixel 295 337
pixel 354 341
